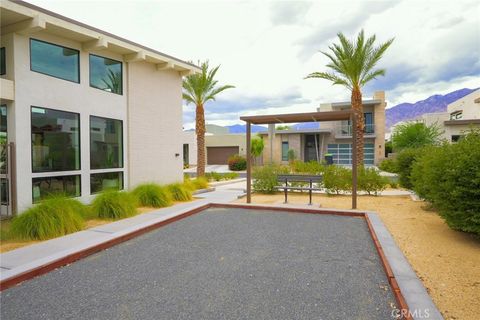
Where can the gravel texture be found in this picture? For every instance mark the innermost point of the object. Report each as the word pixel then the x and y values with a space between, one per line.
pixel 220 264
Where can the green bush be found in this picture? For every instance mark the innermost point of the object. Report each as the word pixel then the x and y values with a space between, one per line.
pixel 311 167
pixel 389 165
pixel 179 192
pixel 449 178
pixel 200 183
pixel 404 163
pixel 337 179
pixel 265 178
pixel 370 181
pixel 113 204
pixel 216 176
pixel 53 217
pixel 188 183
pixel 152 195
pixel 237 163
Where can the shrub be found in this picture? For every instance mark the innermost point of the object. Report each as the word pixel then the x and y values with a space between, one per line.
pixel 389 165
pixel 237 163
pixel 337 179
pixel 370 181
pixel 55 216
pixel 113 204
pixel 179 192
pixel 152 195
pixel 311 167
pixel 265 178
pixel 188 183
pixel 291 155
pixel 449 178
pixel 216 176
pixel 200 183
pixel 415 135
pixel 404 161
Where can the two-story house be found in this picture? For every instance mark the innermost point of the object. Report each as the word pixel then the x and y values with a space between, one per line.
pixel 82 109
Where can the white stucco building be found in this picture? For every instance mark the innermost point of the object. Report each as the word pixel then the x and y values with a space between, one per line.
pixel 82 109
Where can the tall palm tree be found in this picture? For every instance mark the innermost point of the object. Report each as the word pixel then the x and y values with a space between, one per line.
pixel 198 89
pixel 352 64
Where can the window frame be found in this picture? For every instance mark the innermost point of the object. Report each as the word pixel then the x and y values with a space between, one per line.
pixel 59 176
pixel 122 186
pixel 56 45
pixel 79 142
pixel 90 73
pixel 100 170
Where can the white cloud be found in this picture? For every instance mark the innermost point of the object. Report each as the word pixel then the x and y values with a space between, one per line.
pixel 266 48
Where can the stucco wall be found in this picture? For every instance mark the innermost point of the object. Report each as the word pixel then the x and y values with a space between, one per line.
pixel 190 138
pixel 470 109
pixel 35 89
pixel 227 140
pixel 155 124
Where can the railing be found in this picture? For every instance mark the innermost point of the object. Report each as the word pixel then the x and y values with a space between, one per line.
pixel 346 129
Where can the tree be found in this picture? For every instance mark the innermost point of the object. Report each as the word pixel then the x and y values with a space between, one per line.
pixel 415 135
pixel 352 64
pixel 283 127
pixel 256 147
pixel 199 89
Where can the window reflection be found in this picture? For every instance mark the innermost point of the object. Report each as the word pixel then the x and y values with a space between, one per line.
pixel 106 146
pixel 106 74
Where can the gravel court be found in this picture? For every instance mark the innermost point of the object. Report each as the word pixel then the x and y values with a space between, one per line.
pixel 222 263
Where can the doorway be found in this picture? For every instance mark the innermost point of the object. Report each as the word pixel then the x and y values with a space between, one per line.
pixel 5 170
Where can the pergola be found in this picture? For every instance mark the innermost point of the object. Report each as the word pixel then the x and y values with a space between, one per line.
pixel 302 117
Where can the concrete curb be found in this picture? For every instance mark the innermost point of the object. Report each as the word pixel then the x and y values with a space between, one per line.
pixel 200 191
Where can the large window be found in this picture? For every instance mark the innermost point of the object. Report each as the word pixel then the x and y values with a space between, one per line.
pixel 106 143
pixel 284 150
pixel 54 60
pixel 106 180
pixel 342 153
pixel 55 140
pixel 45 186
pixel 3 67
pixel 106 74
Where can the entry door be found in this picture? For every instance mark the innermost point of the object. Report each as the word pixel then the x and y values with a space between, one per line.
pixel 5 208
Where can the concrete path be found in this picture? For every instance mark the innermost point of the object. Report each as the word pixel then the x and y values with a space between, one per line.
pixel 219 168
pixel 18 261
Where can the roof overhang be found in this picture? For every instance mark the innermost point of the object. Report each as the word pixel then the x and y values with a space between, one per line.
pixel 348 104
pixel 461 122
pixel 299 117
pixel 24 18
pixel 306 131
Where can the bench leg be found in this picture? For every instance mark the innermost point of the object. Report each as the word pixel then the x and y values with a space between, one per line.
pixel 285 195
pixel 310 193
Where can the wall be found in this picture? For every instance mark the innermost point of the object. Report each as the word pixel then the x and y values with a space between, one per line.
pixel 155 136
pixel 227 140
pixel 190 138
pixel 471 110
pixel 35 89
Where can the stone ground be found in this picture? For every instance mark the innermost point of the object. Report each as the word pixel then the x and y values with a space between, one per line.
pixel 218 264
pixel 447 261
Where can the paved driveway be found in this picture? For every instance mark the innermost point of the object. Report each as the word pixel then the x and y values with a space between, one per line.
pixel 220 264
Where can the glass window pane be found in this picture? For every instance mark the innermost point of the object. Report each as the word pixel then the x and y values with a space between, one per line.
pixel 106 143
pixel 67 185
pixel 284 150
pixel 4 191
pixel 106 180
pixel 54 60
pixel 3 139
pixel 55 140
pixel 3 67
pixel 106 74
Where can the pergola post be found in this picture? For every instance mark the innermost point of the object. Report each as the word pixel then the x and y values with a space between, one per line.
pixel 249 164
pixel 354 161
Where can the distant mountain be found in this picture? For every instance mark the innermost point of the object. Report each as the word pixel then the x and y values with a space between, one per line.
pixel 435 103
pixel 241 128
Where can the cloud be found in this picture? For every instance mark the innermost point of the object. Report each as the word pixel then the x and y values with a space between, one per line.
pixel 289 12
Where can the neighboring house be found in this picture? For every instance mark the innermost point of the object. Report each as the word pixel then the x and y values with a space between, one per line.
pixel 219 145
pixel 461 115
pixel 331 137
pixel 83 110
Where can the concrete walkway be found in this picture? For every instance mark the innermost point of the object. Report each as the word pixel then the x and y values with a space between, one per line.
pixel 21 260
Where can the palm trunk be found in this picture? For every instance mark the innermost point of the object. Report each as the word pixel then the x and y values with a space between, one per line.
pixel 358 114
pixel 200 132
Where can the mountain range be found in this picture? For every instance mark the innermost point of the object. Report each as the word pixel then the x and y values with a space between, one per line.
pixel 400 112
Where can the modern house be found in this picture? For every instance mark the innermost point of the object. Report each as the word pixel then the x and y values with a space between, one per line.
pixel 461 115
pixel 82 109
pixel 334 138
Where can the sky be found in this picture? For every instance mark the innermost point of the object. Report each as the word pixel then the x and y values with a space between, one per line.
pixel 266 48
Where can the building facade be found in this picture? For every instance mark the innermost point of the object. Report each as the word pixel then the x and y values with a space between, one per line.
pixel 83 110
pixel 333 137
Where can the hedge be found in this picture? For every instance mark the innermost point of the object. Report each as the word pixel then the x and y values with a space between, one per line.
pixel 237 163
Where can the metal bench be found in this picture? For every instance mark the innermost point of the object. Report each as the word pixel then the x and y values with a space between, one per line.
pixel 286 178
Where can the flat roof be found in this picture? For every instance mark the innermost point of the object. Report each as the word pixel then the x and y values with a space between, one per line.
pixel 299 117
pixel 349 104
pixel 296 131
pixel 461 122
pixel 17 15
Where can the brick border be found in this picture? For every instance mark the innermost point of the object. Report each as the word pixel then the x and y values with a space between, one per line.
pixel 10 282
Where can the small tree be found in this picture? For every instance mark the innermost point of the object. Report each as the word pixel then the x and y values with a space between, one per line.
pixel 256 147
pixel 283 127
pixel 291 155
pixel 415 135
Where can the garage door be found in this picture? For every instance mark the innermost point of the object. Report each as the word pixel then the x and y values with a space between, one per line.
pixel 342 153
pixel 219 155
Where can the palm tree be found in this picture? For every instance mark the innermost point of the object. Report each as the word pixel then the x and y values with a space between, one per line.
pixel 198 89
pixel 352 64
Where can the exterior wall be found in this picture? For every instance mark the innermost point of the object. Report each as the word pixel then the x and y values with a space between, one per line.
pixel 227 140
pixel 190 138
pixel 437 119
pixel 155 124
pixel 295 142
pixel 470 109
pixel 35 89
pixel 379 120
